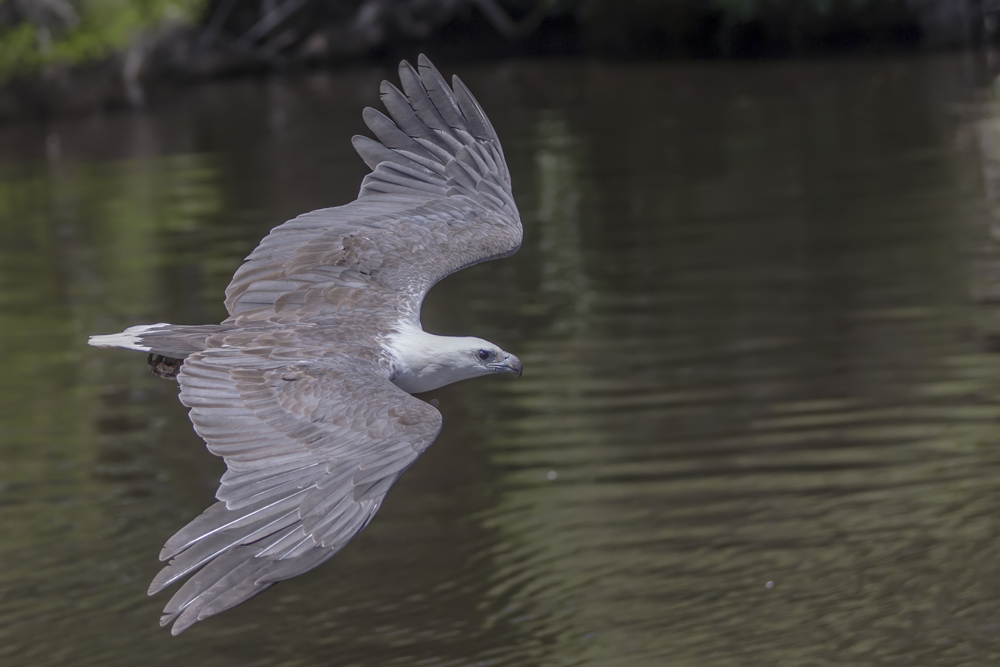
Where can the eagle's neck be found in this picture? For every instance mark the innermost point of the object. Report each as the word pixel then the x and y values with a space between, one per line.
pixel 422 361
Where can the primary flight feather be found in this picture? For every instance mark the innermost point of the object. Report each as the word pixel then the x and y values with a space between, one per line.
pixel 305 389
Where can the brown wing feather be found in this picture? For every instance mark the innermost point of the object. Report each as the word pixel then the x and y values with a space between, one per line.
pixel 312 448
pixel 438 199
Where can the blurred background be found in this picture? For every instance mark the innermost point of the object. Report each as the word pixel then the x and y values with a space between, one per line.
pixel 758 307
pixel 90 54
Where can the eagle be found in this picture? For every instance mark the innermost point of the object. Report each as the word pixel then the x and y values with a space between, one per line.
pixel 306 389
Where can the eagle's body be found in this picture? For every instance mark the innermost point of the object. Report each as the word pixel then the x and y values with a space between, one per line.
pixel 305 389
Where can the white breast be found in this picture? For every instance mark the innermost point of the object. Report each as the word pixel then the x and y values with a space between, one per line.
pixel 423 361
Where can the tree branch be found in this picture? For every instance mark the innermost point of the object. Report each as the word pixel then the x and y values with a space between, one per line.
pixel 271 21
pixel 505 25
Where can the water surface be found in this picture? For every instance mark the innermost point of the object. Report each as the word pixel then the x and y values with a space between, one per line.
pixel 760 416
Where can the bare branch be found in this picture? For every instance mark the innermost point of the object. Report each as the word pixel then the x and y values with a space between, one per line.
pixel 271 21
pixel 505 25
pixel 211 32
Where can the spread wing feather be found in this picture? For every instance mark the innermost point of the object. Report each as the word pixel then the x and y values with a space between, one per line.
pixel 311 449
pixel 439 183
pixel 312 431
pixel 293 389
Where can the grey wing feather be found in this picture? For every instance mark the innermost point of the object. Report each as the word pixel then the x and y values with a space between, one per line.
pixel 442 96
pixel 420 101
pixel 311 449
pixel 439 182
pixel 391 136
pixel 479 123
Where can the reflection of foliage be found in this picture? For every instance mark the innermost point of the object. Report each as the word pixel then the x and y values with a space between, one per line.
pixel 159 200
pixel 34 33
pixel 74 241
pixel 139 214
pixel 564 281
pixel 84 248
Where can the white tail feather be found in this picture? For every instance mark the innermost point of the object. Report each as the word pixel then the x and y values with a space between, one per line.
pixel 128 339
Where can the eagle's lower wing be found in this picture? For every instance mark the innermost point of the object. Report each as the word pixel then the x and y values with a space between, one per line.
pixel 438 199
pixel 311 447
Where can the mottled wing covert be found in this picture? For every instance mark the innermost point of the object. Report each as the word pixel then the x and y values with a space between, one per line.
pixel 312 448
pixel 438 199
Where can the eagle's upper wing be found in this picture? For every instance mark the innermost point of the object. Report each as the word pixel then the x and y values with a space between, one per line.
pixel 312 448
pixel 438 199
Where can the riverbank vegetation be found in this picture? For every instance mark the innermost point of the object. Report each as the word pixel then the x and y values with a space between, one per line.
pixel 86 53
pixel 39 33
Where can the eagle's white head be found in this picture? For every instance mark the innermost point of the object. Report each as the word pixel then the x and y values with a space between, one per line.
pixel 423 361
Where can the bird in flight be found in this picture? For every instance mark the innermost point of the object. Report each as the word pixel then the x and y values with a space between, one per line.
pixel 306 388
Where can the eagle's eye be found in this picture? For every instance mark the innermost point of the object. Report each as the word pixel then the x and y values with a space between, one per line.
pixel 484 355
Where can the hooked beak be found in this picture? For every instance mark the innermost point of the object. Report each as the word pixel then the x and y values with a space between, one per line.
pixel 510 364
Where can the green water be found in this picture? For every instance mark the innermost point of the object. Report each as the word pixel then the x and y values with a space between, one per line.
pixel 759 422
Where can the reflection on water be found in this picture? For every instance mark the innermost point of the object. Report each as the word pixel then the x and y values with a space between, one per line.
pixel 758 422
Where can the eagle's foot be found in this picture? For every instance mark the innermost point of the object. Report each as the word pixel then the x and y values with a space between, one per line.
pixel 165 367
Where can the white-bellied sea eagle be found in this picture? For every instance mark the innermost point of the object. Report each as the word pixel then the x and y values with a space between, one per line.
pixel 305 389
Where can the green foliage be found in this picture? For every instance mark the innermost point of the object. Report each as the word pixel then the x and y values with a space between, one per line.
pixel 18 49
pixel 71 32
pixel 100 28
